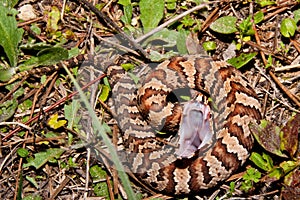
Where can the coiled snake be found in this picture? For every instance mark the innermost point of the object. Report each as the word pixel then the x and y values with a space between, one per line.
pixel 215 138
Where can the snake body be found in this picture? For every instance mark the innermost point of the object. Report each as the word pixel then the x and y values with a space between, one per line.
pixel 157 164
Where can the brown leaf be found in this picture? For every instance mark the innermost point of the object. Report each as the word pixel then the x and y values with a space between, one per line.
pixel 267 135
pixel 289 138
pixel 291 189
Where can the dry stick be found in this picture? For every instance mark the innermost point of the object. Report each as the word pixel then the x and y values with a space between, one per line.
pixel 211 17
pixel 115 27
pixel 275 79
pixel 26 134
pixel 171 21
pixel 53 106
pixel 60 188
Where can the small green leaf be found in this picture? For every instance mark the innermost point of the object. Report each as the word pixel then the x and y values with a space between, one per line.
pixel 23 153
pixel 252 175
pixel 241 60
pixel 264 3
pixel 289 165
pixel 288 27
pixel 101 190
pixel 10 34
pixel 42 158
pixel 6 74
pixel 32 181
pixel 209 45
pixel 246 27
pixel 97 173
pixel 126 18
pixel 104 93
pixel 55 123
pixel 258 17
pixel 25 105
pixel 296 15
pixel 171 4
pixel 32 197
pixel 53 19
pixel 124 2
pixel 151 13
pixel 225 25
pixel 274 175
pixel 264 162
pixel 7 109
pixel 127 66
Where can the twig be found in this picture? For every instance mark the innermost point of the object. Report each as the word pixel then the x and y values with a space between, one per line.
pixel 275 79
pixel 53 106
pixel 115 27
pixel 15 123
pixel 286 68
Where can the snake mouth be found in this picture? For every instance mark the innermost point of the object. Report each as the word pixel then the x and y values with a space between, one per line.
pixel 195 129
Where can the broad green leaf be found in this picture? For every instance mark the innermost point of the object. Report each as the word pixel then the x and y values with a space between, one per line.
pixel 10 34
pixel 224 25
pixel 8 3
pixel 52 55
pixel 165 38
pixel 71 114
pixel 35 46
pixel 42 158
pixel 241 60
pixel 288 27
pixel 55 123
pixel 152 12
pixel 181 42
pixel 158 57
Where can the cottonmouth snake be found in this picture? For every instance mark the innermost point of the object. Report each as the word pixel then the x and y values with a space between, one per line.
pixel 230 105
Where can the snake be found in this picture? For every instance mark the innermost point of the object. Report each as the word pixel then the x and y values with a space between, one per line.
pixel 179 147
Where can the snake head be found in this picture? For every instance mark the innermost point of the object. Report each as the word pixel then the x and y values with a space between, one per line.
pixel 195 131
